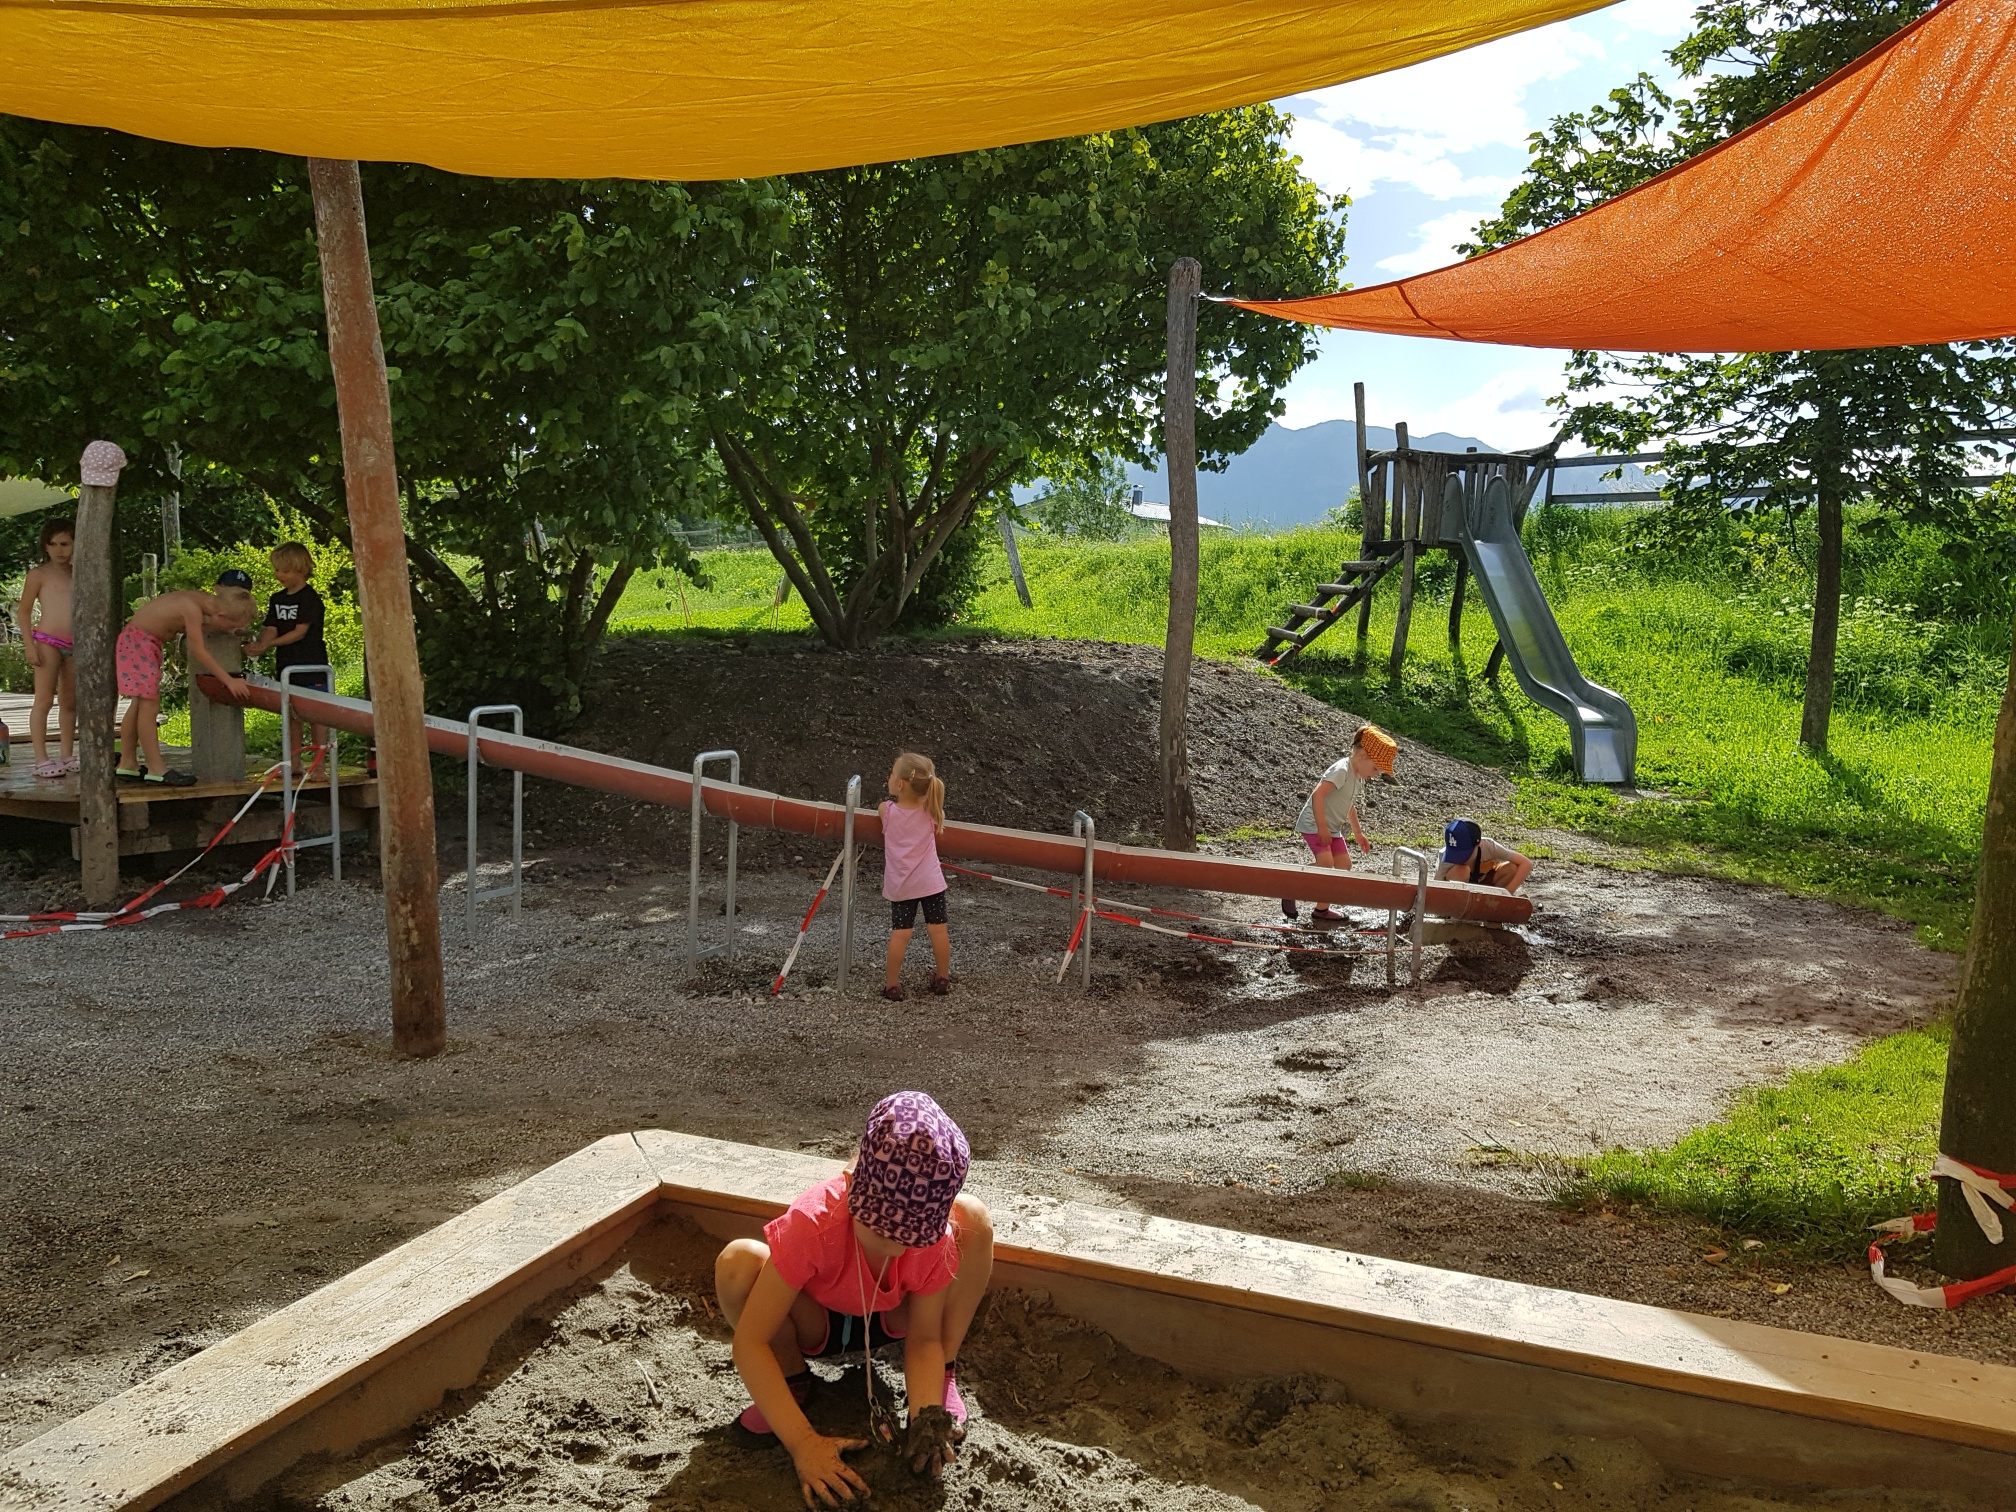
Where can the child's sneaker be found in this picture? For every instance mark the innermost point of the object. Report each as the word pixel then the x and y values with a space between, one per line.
pixel 893 993
pixel 752 1419
pixel 954 1403
pixel 1289 911
pixel 940 985
pixel 1328 915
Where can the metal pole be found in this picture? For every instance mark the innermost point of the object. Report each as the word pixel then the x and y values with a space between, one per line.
pixel 469 835
pixel 287 797
pixel 1420 860
pixel 847 882
pixel 1081 824
pixel 693 952
pixel 516 886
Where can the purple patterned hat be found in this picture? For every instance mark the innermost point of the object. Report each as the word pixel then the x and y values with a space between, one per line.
pixel 913 1162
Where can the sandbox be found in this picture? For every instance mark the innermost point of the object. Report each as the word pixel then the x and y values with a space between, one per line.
pixel 574 1304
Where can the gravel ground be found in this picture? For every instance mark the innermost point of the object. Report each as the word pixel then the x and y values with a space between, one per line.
pixel 205 1119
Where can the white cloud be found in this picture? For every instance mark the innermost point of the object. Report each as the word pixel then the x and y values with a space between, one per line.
pixel 1411 126
pixel 1434 243
pixel 1508 408
pixel 1661 18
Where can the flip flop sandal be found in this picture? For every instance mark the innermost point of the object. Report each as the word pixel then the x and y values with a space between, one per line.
pixel 129 774
pixel 174 779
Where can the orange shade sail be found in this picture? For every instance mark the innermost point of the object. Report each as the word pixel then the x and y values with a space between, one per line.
pixel 693 89
pixel 1878 209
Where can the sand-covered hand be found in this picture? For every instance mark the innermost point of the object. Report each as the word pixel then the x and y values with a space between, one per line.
pixel 822 1472
pixel 933 1441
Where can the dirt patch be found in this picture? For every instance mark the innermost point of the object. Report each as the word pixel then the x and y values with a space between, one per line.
pixel 203 1120
pixel 1024 732
pixel 620 1394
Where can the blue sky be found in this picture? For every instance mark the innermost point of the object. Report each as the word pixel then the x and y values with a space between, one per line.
pixel 1427 152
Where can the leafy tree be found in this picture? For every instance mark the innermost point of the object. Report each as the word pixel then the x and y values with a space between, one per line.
pixel 551 345
pixel 1802 432
pixel 963 316
pixel 1085 499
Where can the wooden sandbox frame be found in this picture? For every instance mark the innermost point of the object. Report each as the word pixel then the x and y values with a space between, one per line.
pixel 365 1355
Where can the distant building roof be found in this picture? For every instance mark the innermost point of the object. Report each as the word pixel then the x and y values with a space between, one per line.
pixel 1159 513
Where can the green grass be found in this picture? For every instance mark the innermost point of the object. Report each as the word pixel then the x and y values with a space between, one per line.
pixel 1890 817
pixel 1813 1161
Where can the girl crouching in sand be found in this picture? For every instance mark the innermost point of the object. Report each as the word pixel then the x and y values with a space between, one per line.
pixel 888 1249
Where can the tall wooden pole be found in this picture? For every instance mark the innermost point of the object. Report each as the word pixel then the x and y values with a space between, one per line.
pixel 1978 1124
pixel 1179 427
pixel 98 615
pixel 1372 522
pixel 378 547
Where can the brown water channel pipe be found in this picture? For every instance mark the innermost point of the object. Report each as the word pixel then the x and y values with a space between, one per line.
pixel 1138 865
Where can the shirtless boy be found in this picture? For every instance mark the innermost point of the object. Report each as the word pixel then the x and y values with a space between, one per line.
pixel 46 636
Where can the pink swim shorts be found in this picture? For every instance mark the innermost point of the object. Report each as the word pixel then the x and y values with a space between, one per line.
pixel 1339 845
pixel 138 655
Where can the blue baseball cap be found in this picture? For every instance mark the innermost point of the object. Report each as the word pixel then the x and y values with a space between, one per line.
pixel 235 577
pixel 1459 840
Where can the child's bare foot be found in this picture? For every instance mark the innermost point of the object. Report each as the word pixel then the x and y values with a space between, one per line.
pixel 893 993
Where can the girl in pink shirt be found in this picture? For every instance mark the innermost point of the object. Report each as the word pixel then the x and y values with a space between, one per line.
pixel 913 817
pixel 888 1249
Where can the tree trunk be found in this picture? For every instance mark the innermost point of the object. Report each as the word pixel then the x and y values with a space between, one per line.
pixel 1179 423
pixel 1979 1121
pixel 1826 618
pixel 385 597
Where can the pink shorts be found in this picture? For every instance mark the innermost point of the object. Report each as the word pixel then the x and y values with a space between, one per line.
pixel 1339 845
pixel 138 655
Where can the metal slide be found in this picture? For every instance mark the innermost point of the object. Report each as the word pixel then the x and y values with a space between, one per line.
pixel 1600 723
pixel 962 842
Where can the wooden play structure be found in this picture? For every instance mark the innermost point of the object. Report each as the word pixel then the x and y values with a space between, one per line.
pixel 1471 504
pixel 1463 1357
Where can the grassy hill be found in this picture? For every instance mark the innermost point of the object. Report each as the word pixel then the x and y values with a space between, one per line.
pixel 1710 650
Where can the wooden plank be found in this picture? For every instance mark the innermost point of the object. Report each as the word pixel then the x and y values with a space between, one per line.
pixel 1371 546
pixel 147 1443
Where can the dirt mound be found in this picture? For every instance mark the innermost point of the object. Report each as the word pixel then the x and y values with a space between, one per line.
pixel 1024 732
pixel 619 1395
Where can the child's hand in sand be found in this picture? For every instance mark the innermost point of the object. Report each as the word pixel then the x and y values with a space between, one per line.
pixel 933 1441
pixel 821 1469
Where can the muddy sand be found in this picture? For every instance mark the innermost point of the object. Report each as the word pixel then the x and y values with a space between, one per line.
pixel 620 1394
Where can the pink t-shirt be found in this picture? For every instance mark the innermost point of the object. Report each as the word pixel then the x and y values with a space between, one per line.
pixel 909 853
pixel 812 1244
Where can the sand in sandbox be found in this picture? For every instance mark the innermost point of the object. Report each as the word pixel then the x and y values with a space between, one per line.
pixel 621 1394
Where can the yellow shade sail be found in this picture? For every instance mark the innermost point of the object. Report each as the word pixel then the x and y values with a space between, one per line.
pixel 693 89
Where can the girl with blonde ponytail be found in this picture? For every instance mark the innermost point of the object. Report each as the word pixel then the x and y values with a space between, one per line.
pixel 913 817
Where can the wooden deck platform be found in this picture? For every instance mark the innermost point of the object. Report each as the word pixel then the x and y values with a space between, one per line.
pixel 155 819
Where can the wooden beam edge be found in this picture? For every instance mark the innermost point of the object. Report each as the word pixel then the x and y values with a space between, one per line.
pixel 1943 1397
pixel 111 1456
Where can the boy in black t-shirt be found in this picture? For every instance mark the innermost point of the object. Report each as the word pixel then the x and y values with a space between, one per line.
pixel 294 628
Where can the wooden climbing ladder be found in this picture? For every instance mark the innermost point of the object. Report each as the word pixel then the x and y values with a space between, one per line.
pixel 1330 603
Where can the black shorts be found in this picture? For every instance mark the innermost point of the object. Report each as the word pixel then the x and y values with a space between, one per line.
pixel 903 911
pixel 315 681
pixel 843 1335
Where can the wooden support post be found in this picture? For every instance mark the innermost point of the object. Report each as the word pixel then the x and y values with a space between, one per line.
pixel 1015 561
pixel 99 615
pixel 1456 596
pixel 1179 425
pixel 1370 510
pixel 217 731
pixel 378 546
pixel 1407 527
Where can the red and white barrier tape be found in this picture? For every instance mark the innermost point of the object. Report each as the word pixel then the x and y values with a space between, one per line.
pixel 805 924
pixel 1152 912
pixel 1211 939
pixel 1077 934
pixel 1985 1191
pixel 135 911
